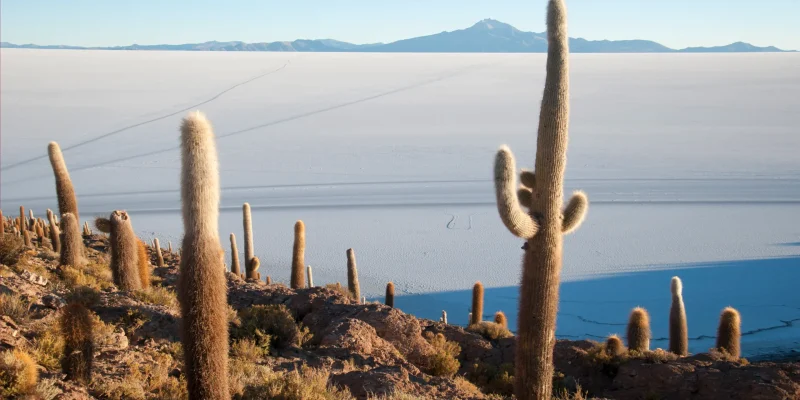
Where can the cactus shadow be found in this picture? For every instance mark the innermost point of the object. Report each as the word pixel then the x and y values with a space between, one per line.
pixel 763 290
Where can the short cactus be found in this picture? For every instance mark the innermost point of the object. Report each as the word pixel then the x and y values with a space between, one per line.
pixel 247 223
pixel 169 247
pixel 159 256
pixel 72 250
pixel 500 319
pixel 86 230
pixel 234 256
pixel 26 238
pixel 298 279
pixel 352 275
pixel 310 277
pixel 55 234
pixel 76 327
pixel 269 280
pixel 477 304
pixel 124 252
pixel 67 202
pixel 614 346
pixel 678 330
pixel 729 333
pixel 390 294
pixel 639 330
pixel 143 263
pixel 202 287
pixel 255 263
pixel 444 317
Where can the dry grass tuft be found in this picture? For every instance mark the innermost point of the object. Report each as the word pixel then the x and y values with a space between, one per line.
pixel 443 361
pixel 159 296
pixel 490 330
pixel 14 306
pixel 18 374
pixel 272 324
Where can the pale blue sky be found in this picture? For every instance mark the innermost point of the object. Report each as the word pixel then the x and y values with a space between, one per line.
pixel 674 23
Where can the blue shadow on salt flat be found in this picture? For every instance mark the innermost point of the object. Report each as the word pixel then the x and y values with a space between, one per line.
pixel 765 291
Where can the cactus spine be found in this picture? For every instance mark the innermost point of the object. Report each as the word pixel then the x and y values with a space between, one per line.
pixel 298 279
pixel 234 256
pixel 247 222
pixel 500 319
pixel 72 245
pixel 159 256
pixel 124 252
pixel 390 294
pixel 614 346
pixel 729 333
pixel 310 277
pixel 477 304
pixel 352 275
pixel 639 330
pixel 67 202
pixel 202 288
pixel 678 330
pixel 545 224
pixel 76 327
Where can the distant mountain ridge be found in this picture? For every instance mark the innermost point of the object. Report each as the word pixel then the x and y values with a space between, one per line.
pixel 486 36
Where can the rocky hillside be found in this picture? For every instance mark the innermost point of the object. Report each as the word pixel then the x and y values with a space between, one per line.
pixel 316 343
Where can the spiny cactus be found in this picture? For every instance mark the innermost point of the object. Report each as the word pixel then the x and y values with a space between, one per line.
pixel 545 224
pixel 26 238
pixel 352 275
pixel 729 334
pixel 55 234
pixel 390 294
pixel 23 222
pixel 143 263
pixel 614 346
pixel 72 250
pixel 247 223
pixel 124 252
pixel 86 230
pixel 2 224
pixel 477 304
pixel 67 202
pixel 269 280
pixel 169 247
pixel 310 277
pixel 298 279
pixel 76 327
pixel 159 256
pixel 500 319
pixel 255 263
pixel 102 224
pixel 40 233
pixel 234 256
pixel 202 288
pixel 444 317
pixel 639 330
pixel 678 330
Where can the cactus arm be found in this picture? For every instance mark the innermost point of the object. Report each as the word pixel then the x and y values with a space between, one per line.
pixel 525 197
pixel 517 221
pixel 575 212
pixel 527 178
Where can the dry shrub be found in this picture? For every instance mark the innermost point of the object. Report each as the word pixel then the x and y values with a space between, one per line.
pixel 306 384
pixel 18 374
pixel 84 295
pixel 443 361
pixel 159 296
pixel 11 249
pixel 338 288
pixel 265 325
pixel 491 378
pixel 565 394
pixel 248 350
pixel 14 306
pixel 490 330
pixel 95 276
pixel 48 347
pixel 48 389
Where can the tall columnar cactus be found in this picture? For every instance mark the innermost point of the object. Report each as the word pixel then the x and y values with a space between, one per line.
pixel 23 221
pixel 124 252
pixel 477 304
pixel 234 256
pixel 143 264
pixel 159 256
pixel 67 202
pixel 678 330
pixel 76 327
pixel 202 288
pixel 55 234
pixel 444 317
pixel 247 222
pixel 352 276
pixel 729 333
pixel 72 250
pixel 500 319
pixel 639 330
pixel 2 224
pixel 310 277
pixel 298 279
pixel 390 294
pixel 614 346
pixel 31 218
pixel 545 223
pixel 26 238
